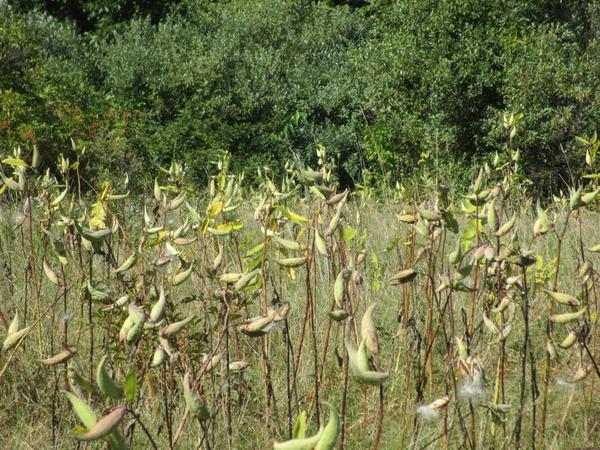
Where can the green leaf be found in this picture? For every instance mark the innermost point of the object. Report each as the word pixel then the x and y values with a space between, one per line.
pixel 130 385
pixel 298 219
pixel 257 248
pixel 300 426
pixel 348 233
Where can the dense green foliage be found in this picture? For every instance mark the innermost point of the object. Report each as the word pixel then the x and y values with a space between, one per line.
pixel 379 84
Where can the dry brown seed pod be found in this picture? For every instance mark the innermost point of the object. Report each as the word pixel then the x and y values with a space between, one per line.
pixel 502 306
pixel 236 366
pixel 208 364
pixel 404 276
pixel 439 403
pixel 581 373
pixel 334 199
pixel 54 277
pixel 60 357
pixel 104 426
pixel 368 330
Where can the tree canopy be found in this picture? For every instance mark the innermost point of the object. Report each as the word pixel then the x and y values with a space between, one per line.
pixel 377 83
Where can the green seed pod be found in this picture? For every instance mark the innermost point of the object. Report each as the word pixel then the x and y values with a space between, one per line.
pixel 291 262
pixel 117 196
pixel 407 218
pixel 176 202
pixel 128 264
pixel 14 338
pixel 564 299
pixel 158 310
pixel 94 237
pixel 82 410
pixel 492 215
pixel 569 341
pixel 127 325
pixel 491 326
pixel 192 401
pixel 568 317
pixel 461 348
pixel 174 328
pixel 585 270
pixel 15 325
pixel 230 278
pixel 504 229
pixel 371 377
pixel 588 198
pixel 478 184
pixel 551 351
pixel 258 326
pixel 96 294
pixel 359 362
pixel 332 429
pixel 54 203
pixel 310 177
pixel 77 383
pixel 12 184
pixel 300 444
pixel 542 224
pixel 182 276
pixel 575 201
pixel 430 216
pixel 35 159
pixel 288 244
pixel 208 364
pixel 335 220
pixel 338 315
pixel 339 287
pixel 158 358
pixel 321 244
pixel 280 312
pixel 105 382
pixel 135 332
pixel 362 357
pixel 122 300
pixel 595 248
pixel 478 199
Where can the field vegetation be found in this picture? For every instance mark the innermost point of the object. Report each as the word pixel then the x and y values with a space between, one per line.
pixel 295 315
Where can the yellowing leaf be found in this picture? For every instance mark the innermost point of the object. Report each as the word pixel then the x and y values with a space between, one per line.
pixel 15 162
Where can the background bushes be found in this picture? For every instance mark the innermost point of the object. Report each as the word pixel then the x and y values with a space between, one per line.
pixel 377 84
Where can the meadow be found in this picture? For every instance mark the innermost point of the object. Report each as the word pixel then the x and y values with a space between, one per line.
pixel 290 314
